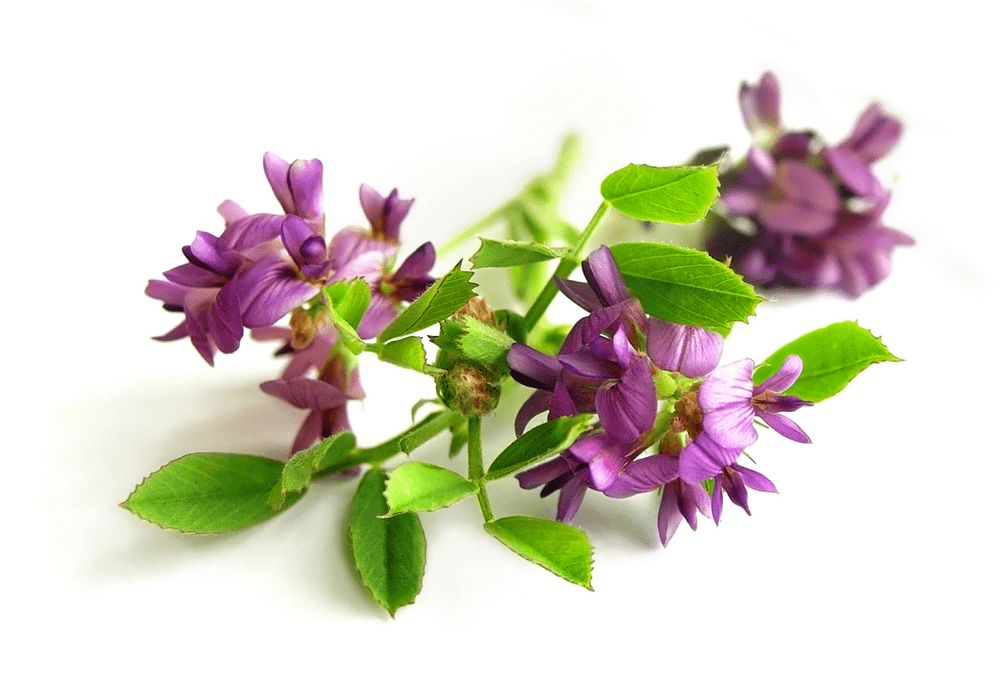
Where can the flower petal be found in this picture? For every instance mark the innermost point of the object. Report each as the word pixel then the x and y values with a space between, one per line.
pixel 693 351
pixel 703 458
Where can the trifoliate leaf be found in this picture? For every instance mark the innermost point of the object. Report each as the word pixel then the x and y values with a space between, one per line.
pixel 543 440
pixel 444 298
pixel 497 254
pixel 832 357
pixel 561 549
pixel 209 493
pixel 672 194
pixel 389 553
pixel 421 487
pixel 685 286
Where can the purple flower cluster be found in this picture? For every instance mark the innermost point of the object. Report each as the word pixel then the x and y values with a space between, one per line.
pixel 815 209
pixel 610 364
pixel 264 266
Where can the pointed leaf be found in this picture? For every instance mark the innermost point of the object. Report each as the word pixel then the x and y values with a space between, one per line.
pixel 431 425
pixel 420 487
pixel 407 352
pixel 209 493
pixel 354 302
pixel 561 549
pixel 389 553
pixel 832 357
pixel 540 442
pixel 685 286
pixel 302 465
pixel 444 298
pixel 506 254
pixel 672 194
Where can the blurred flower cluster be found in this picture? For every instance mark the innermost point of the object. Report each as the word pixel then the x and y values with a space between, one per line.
pixel 799 212
pixel 651 383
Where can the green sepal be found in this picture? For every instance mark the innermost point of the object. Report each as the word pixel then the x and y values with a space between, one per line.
pixel 513 323
pixel 422 487
pixel 444 298
pixel 543 440
pixel 508 254
pixel 209 493
pixel 561 549
pixel 671 194
pixel 297 471
pixel 685 286
pixel 389 552
pixel 407 352
pixel 832 357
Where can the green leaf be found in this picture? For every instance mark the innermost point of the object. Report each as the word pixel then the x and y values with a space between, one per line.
pixel 685 286
pixel 389 553
pixel 543 440
pixel 421 487
pixel 302 465
pixel 832 357
pixel 354 302
pixel 673 194
pixel 407 352
pixel 562 549
pixel 497 254
pixel 444 298
pixel 431 425
pixel 209 493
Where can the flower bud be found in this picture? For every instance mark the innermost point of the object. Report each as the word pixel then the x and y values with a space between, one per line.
pixel 467 389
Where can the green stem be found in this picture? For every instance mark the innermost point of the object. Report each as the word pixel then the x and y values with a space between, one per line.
pixel 564 269
pixel 476 474
pixel 475 228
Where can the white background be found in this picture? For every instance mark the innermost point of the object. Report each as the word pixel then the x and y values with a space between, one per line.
pixel 125 124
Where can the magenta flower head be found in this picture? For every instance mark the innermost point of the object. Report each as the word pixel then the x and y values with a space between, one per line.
pixel 212 288
pixel 325 398
pixel 731 402
pixel 801 213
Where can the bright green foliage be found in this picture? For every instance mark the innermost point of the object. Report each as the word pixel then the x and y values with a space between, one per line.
pixel 561 549
pixel 420 487
pixel 354 302
pixel 444 298
pixel 543 440
pixel 407 352
pixel 673 194
pixel 497 254
pixel 209 493
pixel 298 470
pixel 832 357
pixel 389 553
pixel 685 286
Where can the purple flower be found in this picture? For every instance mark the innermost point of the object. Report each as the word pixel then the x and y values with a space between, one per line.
pixel 731 403
pixel 211 288
pixel 607 361
pixel 735 480
pixel 679 500
pixel 797 212
pixel 562 474
pixel 324 397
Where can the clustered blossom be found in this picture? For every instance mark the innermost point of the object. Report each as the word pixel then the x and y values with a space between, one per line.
pixel 265 266
pixel 608 365
pixel 802 213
